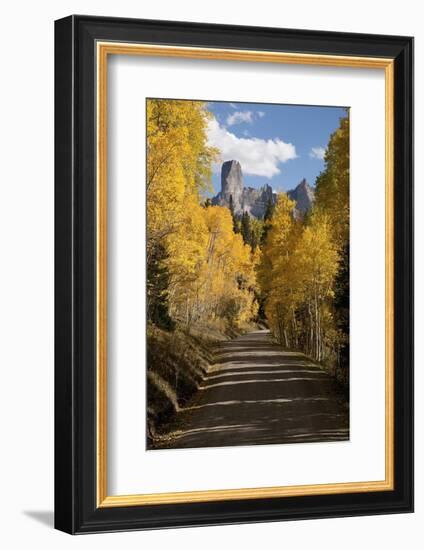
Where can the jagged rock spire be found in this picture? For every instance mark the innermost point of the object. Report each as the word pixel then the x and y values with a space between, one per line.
pixel 255 201
pixel 232 183
pixel 304 196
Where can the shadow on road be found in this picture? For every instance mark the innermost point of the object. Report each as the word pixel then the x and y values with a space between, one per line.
pixel 257 393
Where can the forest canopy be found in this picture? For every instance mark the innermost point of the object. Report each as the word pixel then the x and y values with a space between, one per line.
pixel 198 269
pixel 304 270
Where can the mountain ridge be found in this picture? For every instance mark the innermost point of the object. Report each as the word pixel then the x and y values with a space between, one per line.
pixel 255 201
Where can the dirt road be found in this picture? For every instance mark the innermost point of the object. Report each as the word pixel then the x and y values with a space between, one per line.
pixel 257 393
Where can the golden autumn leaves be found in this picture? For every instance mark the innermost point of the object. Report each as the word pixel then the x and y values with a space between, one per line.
pixel 296 274
pixel 211 269
pixel 304 269
pixel 208 269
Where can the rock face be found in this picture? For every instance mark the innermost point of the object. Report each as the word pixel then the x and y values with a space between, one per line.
pixel 304 196
pixel 255 201
pixel 232 183
pixel 245 199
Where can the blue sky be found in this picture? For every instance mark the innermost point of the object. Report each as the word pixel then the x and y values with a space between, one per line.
pixel 275 144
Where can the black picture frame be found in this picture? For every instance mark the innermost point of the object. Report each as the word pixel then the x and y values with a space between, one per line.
pixel 76 510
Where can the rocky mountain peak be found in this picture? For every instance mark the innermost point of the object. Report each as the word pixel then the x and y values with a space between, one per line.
pixel 304 195
pixel 232 183
pixel 255 201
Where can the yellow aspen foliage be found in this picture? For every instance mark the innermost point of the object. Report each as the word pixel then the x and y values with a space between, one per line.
pixel 276 250
pixel 178 162
pixel 198 268
pixel 332 186
pixel 275 268
pixel 298 267
pixel 303 269
pixel 211 273
pixel 317 260
pixel 316 257
pixel 332 200
pixel 186 252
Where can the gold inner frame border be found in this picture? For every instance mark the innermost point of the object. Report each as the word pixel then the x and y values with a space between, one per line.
pixel 103 50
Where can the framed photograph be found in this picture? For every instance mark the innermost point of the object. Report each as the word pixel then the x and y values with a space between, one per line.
pixel 234 270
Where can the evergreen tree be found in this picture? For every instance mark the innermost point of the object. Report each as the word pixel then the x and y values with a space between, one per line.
pixel 257 229
pixel 236 221
pixel 269 211
pixel 341 305
pixel 231 206
pixel 157 290
pixel 246 230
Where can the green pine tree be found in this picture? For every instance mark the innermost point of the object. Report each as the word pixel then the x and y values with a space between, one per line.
pixel 236 221
pixel 246 229
pixel 269 211
pixel 157 290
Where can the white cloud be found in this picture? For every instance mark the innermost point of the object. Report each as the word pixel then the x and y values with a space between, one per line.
pixel 257 157
pixel 243 116
pixel 317 153
pixel 240 116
